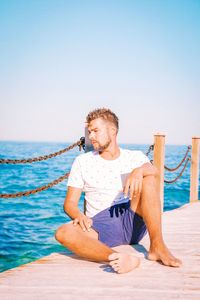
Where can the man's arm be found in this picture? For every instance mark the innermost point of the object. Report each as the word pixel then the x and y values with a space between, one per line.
pixel 148 169
pixel 134 181
pixel 72 210
pixel 71 202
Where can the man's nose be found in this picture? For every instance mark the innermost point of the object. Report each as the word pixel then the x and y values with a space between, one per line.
pixel 91 135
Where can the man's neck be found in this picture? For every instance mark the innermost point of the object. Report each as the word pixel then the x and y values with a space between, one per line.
pixel 111 153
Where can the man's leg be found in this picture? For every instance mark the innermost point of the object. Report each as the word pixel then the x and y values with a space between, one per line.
pixel 148 206
pixel 86 245
pixel 83 243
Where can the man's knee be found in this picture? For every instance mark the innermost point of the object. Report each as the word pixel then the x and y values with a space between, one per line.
pixel 149 185
pixel 64 232
pixel 149 180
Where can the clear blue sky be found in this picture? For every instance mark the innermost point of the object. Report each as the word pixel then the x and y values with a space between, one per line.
pixel 61 59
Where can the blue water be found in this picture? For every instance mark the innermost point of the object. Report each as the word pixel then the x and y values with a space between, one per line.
pixel 28 224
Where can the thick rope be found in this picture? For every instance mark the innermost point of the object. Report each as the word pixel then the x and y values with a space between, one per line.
pixel 180 174
pixel 80 143
pixel 39 189
pixel 182 161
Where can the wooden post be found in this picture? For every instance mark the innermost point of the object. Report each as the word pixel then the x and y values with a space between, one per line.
pixel 194 173
pixel 158 161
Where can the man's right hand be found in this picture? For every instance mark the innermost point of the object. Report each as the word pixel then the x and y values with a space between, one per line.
pixel 83 221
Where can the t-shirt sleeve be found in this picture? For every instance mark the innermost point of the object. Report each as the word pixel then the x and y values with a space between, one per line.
pixel 75 178
pixel 139 158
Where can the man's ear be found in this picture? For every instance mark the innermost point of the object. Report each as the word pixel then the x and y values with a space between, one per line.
pixel 113 130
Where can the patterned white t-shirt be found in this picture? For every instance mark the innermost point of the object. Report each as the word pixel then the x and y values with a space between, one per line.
pixel 103 180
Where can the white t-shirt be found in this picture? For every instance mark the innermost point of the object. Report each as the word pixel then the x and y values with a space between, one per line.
pixel 103 180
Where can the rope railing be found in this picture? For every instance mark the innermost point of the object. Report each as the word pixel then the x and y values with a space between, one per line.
pixel 185 159
pixel 80 144
pixel 181 162
pixel 180 174
pixel 39 189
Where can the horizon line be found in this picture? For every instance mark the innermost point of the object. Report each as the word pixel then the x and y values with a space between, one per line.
pixel 69 142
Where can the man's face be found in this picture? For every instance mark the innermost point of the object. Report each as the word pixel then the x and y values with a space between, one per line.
pixel 100 134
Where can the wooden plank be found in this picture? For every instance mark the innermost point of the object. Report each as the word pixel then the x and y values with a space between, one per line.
pixel 60 276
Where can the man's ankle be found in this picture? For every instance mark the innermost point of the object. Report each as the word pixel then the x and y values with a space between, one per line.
pixel 155 242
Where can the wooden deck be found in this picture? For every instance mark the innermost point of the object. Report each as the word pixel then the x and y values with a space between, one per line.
pixel 59 276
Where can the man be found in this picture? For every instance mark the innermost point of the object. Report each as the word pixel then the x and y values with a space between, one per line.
pixel 122 200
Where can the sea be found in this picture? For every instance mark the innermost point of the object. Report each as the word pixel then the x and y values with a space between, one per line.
pixel 28 224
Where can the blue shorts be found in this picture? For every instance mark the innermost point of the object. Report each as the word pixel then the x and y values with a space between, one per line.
pixel 119 225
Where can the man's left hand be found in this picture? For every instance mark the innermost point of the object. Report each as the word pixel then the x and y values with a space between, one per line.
pixel 133 184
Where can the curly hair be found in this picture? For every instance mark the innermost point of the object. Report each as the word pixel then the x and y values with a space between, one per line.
pixel 105 114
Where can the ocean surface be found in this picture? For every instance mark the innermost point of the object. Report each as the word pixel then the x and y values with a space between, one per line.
pixel 28 224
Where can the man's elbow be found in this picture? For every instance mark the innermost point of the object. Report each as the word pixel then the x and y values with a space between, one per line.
pixel 66 208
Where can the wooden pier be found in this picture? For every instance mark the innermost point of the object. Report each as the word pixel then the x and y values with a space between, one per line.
pixel 61 276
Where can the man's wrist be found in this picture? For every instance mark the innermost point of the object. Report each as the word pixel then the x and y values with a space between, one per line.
pixel 77 215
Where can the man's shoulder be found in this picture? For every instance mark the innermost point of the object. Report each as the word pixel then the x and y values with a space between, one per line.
pixel 125 151
pixel 135 156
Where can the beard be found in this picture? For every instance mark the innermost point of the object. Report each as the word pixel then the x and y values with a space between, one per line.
pixel 99 147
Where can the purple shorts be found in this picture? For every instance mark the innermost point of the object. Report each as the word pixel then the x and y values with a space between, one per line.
pixel 119 225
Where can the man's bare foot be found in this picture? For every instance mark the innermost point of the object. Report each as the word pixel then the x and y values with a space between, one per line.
pixel 123 262
pixel 161 253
